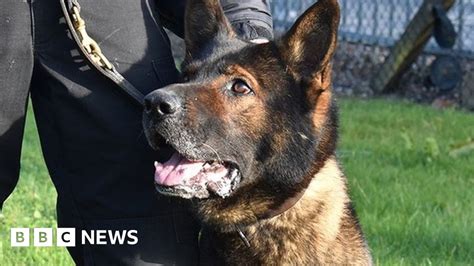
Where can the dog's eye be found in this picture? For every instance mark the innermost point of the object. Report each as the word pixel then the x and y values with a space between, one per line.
pixel 239 87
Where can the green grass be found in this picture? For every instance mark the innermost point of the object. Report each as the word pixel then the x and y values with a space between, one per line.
pixel 413 191
pixel 414 199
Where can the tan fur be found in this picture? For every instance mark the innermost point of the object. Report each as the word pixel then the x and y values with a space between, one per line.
pixel 322 108
pixel 317 227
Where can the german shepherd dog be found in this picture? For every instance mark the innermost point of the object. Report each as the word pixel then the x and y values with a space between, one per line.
pixel 254 130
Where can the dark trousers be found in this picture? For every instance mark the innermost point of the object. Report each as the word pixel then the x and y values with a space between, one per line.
pixel 90 131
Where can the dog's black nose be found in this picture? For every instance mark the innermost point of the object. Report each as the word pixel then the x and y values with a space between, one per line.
pixel 162 103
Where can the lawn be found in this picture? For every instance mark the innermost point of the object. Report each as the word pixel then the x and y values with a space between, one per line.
pixel 410 169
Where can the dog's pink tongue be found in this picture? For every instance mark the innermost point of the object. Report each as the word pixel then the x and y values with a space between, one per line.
pixel 175 170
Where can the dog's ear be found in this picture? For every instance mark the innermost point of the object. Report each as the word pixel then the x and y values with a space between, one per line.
pixel 205 24
pixel 309 45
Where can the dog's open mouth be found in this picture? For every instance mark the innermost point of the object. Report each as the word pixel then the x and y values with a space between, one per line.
pixel 186 178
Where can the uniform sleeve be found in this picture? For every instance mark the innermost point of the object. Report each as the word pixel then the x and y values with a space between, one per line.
pixel 251 19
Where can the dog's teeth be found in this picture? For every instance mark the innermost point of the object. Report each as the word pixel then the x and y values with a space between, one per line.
pixel 157 164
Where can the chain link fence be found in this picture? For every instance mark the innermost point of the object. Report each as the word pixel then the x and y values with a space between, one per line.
pixel 368 31
pixel 382 22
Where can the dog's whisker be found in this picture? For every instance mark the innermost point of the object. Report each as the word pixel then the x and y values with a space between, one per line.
pixel 214 151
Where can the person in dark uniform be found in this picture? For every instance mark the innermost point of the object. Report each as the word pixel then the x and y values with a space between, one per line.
pixel 90 129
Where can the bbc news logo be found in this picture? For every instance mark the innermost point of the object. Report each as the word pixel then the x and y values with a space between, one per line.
pixel 66 237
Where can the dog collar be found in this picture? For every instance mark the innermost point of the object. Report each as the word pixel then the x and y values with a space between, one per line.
pixel 286 205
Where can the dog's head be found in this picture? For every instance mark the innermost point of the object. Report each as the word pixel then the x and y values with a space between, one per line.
pixel 251 123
